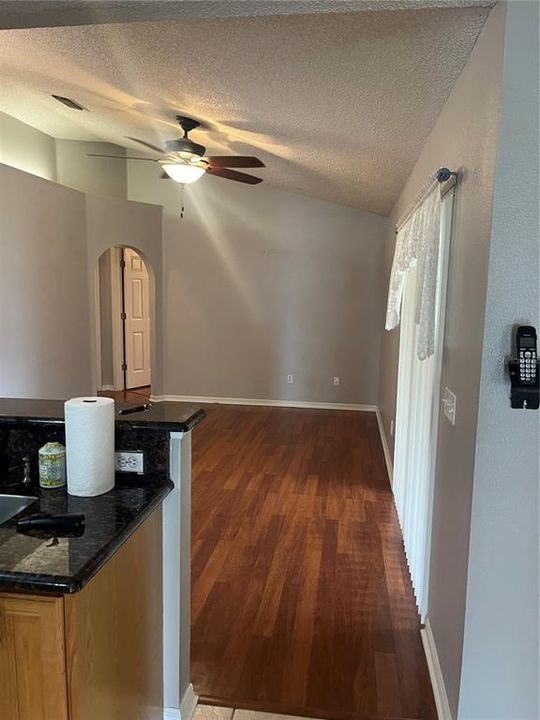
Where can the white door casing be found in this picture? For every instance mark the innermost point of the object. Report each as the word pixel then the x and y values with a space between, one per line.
pixel 137 320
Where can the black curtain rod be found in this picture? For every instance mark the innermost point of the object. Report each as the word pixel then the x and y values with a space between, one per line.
pixel 443 174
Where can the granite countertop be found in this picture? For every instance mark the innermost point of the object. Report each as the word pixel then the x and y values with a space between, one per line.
pixel 170 416
pixel 57 565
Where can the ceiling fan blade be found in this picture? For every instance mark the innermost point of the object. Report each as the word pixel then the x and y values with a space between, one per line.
pixel 119 157
pixel 234 175
pixel 234 161
pixel 155 148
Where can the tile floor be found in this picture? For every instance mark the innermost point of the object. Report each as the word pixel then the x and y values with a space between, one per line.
pixel 212 712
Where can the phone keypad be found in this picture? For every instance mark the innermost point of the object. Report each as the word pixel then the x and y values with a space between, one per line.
pixel 527 366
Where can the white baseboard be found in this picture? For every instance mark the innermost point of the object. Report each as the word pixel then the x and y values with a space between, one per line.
pixel 187 706
pixel 386 449
pixel 435 674
pixel 171 714
pixel 107 388
pixel 265 403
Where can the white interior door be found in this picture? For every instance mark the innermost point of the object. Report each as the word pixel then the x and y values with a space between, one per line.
pixel 137 320
pixel 417 416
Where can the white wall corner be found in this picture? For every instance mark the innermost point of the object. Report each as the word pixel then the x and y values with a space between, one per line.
pixel 386 448
pixel 187 706
pixel 435 673
pixel 171 714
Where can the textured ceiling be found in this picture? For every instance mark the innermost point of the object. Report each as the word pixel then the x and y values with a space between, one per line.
pixel 337 105
pixel 51 13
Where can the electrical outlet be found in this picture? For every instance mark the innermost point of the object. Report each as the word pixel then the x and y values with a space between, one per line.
pixel 336 380
pixel 449 405
pixel 129 462
pixel 290 379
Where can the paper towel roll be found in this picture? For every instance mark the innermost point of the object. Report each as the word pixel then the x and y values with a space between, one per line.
pixel 89 445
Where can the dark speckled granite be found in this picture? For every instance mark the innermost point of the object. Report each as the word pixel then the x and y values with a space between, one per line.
pixel 170 416
pixel 18 438
pixel 66 564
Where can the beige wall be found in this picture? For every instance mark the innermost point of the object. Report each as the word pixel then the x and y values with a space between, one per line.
pixel 26 148
pixel 47 220
pixel 63 161
pixel 96 176
pixel 44 310
pixel 501 650
pixel 105 320
pixel 464 138
pixel 259 284
pixel 291 285
pixel 114 222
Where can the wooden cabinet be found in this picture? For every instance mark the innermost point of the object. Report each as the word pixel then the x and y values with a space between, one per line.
pixel 32 658
pixel 95 654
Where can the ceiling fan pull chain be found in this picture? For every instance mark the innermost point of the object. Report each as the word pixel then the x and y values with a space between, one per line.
pixel 182 196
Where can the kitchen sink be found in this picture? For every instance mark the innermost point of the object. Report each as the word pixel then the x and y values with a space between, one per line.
pixel 10 505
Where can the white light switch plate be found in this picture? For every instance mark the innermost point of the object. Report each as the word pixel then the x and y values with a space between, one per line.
pixel 449 405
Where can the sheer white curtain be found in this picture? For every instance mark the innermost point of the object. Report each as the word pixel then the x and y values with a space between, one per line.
pixel 418 390
pixel 417 246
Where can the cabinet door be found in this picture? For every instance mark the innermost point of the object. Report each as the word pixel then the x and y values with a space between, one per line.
pixel 32 658
pixel 114 634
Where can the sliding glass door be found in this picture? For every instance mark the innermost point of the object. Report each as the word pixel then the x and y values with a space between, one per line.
pixel 417 416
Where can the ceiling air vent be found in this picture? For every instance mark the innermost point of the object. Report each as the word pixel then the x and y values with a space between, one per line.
pixel 68 102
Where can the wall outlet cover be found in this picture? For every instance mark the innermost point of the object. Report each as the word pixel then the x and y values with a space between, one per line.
pixel 132 462
pixel 336 380
pixel 290 379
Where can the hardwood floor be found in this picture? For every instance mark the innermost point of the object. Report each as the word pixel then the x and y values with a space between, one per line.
pixel 131 396
pixel 301 597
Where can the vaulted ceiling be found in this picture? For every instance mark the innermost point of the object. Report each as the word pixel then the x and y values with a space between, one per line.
pixel 338 105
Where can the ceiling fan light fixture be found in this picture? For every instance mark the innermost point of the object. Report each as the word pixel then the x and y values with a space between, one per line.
pixel 184 173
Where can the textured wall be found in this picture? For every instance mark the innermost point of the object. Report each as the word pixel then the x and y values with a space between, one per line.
pixel 47 13
pixel 500 660
pixel 343 120
pixel 464 138
pixel 260 284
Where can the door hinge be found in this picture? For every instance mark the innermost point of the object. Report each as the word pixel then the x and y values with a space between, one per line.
pixel 123 316
pixel 122 263
pixel 124 366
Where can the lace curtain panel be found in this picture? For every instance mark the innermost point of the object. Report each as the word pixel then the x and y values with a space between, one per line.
pixel 417 244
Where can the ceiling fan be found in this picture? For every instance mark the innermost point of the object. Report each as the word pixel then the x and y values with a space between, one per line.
pixel 184 160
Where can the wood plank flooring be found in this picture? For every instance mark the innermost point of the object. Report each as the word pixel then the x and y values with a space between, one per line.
pixel 128 396
pixel 301 597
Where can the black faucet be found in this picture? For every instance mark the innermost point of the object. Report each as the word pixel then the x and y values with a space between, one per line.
pixel 25 466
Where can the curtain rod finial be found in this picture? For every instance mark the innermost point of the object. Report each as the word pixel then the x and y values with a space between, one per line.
pixel 443 174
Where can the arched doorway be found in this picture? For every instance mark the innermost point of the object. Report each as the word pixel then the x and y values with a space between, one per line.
pixel 124 322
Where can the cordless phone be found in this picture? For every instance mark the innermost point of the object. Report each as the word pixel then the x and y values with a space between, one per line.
pixel 526 354
pixel 524 371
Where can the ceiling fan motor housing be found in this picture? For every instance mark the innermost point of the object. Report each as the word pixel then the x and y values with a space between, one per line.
pixel 185 145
